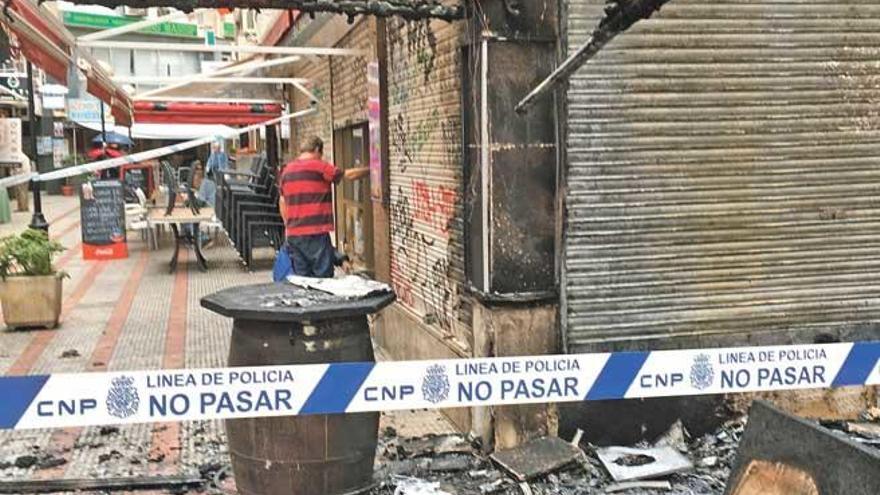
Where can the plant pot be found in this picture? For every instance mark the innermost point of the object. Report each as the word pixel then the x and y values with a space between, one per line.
pixel 67 190
pixel 31 301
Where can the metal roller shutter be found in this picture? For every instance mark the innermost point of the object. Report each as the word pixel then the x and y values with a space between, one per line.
pixel 723 164
pixel 424 120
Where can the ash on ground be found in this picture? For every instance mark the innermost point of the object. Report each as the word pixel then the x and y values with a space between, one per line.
pixel 449 464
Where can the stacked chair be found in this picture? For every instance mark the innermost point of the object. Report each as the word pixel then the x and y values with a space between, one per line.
pixel 247 207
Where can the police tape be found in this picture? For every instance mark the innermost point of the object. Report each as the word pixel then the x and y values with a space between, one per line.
pixel 99 165
pixel 64 400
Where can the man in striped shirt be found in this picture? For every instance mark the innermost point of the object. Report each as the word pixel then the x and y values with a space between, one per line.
pixel 306 205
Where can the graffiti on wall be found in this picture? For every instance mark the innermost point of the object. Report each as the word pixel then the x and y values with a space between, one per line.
pixel 424 117
pixel 435 206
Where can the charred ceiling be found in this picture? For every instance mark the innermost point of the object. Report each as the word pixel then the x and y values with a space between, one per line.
pixel 407 9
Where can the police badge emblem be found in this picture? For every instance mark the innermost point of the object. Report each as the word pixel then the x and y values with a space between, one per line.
pixel 435 384
pixel 702 373
pixel 122 398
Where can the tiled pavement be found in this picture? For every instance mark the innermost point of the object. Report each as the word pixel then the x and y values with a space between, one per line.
pixel 133 314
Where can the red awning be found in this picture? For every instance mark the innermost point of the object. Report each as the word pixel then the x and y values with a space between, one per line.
pixel 41 40
pixel 204 113
pixel 280 28
pixel 46 43
pixel 121 108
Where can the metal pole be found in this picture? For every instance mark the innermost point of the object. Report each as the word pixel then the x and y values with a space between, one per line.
pixel 38 221
pixel 103 128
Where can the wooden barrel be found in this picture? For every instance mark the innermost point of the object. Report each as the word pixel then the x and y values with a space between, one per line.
pixel 302 455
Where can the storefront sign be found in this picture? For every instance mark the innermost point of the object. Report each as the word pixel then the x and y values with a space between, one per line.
pixel 59 151
pixel 44 145
pixel 98 21
pixel 374 113
pixel 10 141
pixel 85 110
pixel 102 210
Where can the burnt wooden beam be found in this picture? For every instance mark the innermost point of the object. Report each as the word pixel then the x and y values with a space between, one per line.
pixel 97 484
pixel 410 10
pixel 620 15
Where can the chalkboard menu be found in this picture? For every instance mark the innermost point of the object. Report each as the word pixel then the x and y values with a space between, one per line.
pixel 137 178
pixel 102 211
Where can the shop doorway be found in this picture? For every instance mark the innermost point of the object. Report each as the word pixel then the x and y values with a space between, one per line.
pixel 354 210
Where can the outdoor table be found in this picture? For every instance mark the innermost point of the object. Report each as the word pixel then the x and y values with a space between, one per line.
pixel 180 216
pixel 282 324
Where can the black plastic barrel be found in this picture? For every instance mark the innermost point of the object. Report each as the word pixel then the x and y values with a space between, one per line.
pixel 280 324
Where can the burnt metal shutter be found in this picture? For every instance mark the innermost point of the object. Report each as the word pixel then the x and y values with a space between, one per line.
pixel 425 175
pixel 723 165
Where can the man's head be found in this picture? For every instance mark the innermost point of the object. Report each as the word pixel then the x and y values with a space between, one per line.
pixel 215 147
pixel 312 145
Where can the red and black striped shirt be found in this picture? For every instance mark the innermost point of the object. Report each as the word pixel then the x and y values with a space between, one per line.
pixel 306 187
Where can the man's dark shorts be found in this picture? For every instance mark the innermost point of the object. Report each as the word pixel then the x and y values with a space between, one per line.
pixel 312 255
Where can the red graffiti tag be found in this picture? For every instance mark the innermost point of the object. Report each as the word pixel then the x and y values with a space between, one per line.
pixel 433 205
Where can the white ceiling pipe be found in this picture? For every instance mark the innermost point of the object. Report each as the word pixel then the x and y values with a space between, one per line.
pixel 236 80
pixel 195 99
pixel 230 69
pixel 186 47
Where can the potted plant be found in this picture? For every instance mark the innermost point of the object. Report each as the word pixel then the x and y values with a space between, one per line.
pixel 71 183
pixel 30 287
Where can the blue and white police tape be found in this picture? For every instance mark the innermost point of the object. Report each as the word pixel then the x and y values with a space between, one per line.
pixel 83 399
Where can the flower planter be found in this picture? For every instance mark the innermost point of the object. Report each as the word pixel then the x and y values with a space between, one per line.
pixel 31 301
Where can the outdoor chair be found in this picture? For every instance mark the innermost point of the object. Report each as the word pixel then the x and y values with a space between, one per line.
pixel 258 224
pixel 136 219
pixel 232 185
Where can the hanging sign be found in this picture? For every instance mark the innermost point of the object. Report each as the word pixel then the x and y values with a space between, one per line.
pixel 54 96
pixel 102 211
pixel 15 83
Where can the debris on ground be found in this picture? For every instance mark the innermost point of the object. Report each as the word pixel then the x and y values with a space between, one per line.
pixel 415 486
pixel 108 484
pixel 70 353
pixel 537 457
pixel 109 456
pixel 433 445
pixel 797 455
pixel 440 459
pixel 636 485
pixel 870 431
pixel 25 461
pixel 629 464
pixel 108 430
pixel 49 462
pixel 676 437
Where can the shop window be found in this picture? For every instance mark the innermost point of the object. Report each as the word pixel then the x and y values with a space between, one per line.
pixel 354 213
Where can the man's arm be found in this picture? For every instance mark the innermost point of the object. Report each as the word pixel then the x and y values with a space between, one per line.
pixel 356 173
pixel 281 209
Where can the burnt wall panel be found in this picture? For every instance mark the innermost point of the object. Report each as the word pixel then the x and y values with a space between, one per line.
pixel 523 171
pixel 722 173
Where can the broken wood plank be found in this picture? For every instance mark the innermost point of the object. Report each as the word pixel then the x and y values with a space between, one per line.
pixel 629 464
pixel 638 485
pixel 864 429
pixel 775 478
pixel 540 456
pixel 95 484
